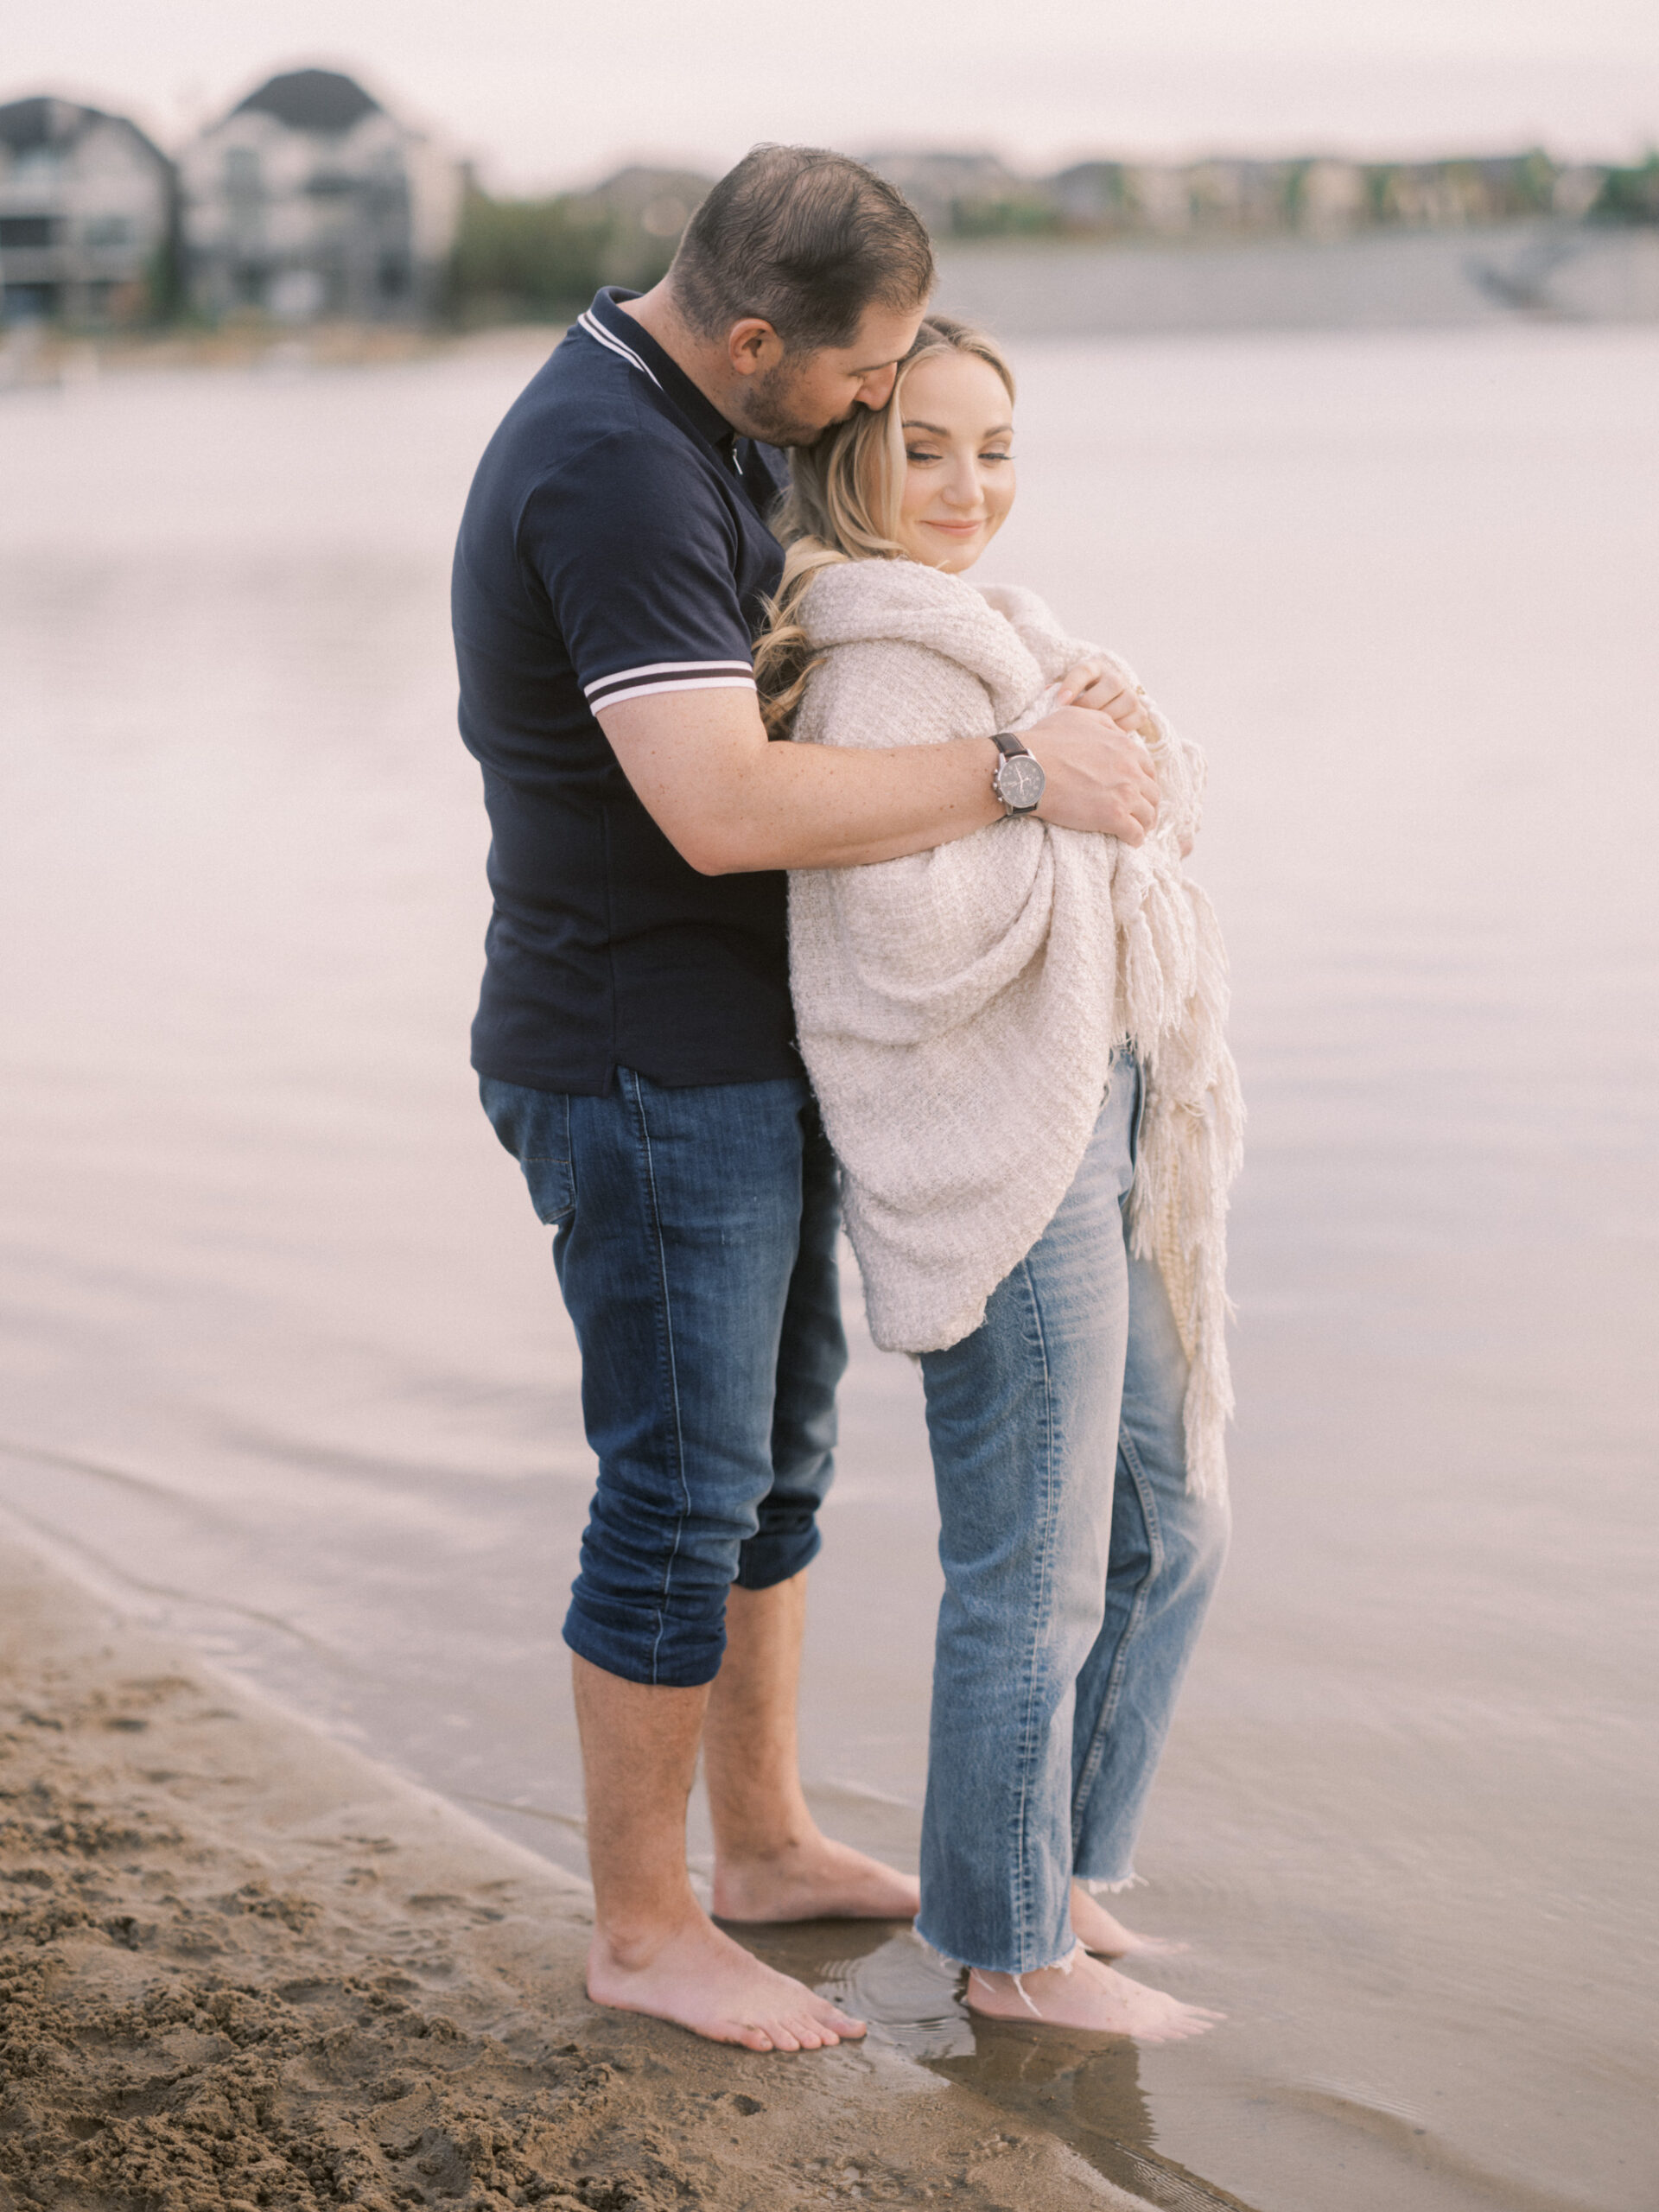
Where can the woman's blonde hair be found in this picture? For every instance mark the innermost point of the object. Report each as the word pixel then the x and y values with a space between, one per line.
pixel 842 504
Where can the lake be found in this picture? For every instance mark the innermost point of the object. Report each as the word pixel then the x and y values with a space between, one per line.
pixel 284 1366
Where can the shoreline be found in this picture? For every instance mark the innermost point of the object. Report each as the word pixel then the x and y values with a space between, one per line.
pixel 44 358
pixel 243 1965
pixel 1535 272
pixel 1539 272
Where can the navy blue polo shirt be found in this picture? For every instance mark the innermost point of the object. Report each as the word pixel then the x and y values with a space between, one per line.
pixel 614 545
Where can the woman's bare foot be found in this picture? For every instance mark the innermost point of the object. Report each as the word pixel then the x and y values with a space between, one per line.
pixel 1101 1932
pixel 811 1878
pixel 1087 1995
pixel 703 1981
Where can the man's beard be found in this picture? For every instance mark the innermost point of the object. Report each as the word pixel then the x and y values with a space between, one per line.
pixel 772 417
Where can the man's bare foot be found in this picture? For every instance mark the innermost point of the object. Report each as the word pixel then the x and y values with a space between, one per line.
pixel 1104 1934
pixel 811 1878
pixel 703 1981
pixel 1087 1995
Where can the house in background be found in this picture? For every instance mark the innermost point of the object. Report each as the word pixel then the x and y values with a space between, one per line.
pixel 87 209
pixel 969 195
pixel 310 199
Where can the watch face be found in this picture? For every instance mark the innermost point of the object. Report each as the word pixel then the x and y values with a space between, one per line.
pixel 1019 784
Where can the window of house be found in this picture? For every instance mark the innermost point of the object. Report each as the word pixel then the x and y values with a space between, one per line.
pixel 29 302
pixel 242 178
pixel 28 230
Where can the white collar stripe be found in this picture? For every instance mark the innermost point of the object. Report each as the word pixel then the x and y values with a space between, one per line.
pixel 594 328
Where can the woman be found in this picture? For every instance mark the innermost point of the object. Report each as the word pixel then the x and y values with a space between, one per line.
pixel 1016 1040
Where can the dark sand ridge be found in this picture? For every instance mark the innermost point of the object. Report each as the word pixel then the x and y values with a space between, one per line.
pixel 242 1965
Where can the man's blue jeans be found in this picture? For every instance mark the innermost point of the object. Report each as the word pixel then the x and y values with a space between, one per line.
pixel 1071 1599
pixel 695 1241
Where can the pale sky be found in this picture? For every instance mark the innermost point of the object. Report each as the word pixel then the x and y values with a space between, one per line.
pixel 547 95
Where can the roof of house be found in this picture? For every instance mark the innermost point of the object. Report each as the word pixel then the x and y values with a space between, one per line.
pixel 311 100
pixel 44 120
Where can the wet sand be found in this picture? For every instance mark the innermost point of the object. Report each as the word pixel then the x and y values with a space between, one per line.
pixel 241 1965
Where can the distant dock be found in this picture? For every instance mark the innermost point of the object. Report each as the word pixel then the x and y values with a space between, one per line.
pixel 1537 271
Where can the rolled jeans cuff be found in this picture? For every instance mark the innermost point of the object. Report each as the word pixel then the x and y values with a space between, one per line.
pixel 635 1643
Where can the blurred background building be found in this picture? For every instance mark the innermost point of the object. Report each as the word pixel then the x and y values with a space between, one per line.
pixel 309 199
pixel 974 195
pixel 87 216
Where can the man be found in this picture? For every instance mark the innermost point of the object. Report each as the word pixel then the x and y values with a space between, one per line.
pixel 635 1037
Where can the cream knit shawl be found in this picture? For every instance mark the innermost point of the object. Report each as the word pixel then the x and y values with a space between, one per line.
pixel 958 1010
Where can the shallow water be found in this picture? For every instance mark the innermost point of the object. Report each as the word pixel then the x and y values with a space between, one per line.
pixel 283 1359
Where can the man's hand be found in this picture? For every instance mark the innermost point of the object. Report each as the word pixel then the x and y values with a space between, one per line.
pixel 1100 775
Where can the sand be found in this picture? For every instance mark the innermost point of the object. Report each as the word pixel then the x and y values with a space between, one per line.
pixel 243 1966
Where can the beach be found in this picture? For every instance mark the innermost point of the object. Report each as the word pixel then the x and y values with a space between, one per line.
pixel 288 1386
pixel 243 1966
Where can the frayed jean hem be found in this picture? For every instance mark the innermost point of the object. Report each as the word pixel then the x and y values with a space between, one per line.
pixel 1067 1959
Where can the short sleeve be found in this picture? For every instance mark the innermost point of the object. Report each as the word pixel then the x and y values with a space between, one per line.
pixel 639 556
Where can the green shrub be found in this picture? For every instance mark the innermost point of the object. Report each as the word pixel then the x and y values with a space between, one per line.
pixel 528 257
pixel 1630 195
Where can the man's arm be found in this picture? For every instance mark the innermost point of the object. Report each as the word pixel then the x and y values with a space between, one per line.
pixel 729 801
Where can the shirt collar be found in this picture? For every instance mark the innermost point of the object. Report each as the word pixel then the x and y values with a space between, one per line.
pixel 606 321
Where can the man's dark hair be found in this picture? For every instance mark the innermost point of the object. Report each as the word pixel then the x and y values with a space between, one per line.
pixel 806 238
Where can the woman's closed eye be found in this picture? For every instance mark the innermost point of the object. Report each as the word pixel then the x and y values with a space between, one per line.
pixel 917 455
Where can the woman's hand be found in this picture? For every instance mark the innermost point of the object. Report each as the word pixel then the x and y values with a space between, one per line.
pixel 1105 685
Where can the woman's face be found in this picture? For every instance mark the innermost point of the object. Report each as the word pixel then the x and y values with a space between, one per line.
pixel 958 426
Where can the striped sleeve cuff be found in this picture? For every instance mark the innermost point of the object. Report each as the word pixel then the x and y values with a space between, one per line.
pixel 668 675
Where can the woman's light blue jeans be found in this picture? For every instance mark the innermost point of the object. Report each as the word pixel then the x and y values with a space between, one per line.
pixel 1078 1571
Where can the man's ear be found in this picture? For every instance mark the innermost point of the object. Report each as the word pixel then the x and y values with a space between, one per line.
pixel 751 345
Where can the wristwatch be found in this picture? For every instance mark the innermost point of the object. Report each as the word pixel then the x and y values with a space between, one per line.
pixel 1019 780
